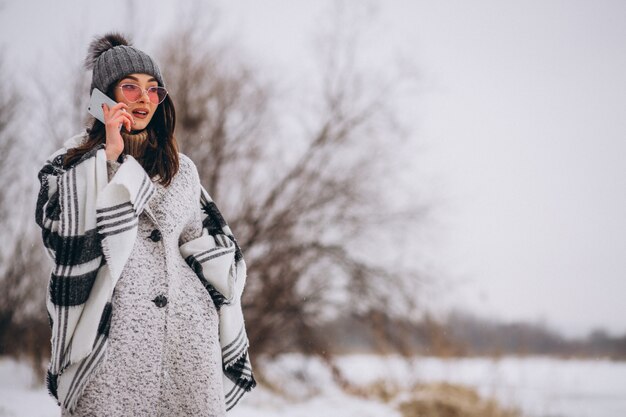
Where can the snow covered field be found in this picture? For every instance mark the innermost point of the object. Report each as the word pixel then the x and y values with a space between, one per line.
pixel 540 387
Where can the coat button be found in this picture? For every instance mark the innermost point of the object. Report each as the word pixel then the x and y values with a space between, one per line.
pixel 155 236
pixel 160 300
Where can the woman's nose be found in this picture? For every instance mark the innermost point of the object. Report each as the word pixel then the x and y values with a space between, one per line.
pixel 144 93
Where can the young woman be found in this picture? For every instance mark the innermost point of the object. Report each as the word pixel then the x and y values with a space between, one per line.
pixel 144 296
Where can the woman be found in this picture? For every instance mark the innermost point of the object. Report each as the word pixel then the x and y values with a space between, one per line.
pixel 144 297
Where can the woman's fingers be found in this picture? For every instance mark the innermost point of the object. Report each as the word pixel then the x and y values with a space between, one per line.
pixel 116 107
pixel 128 122
pixel 117 114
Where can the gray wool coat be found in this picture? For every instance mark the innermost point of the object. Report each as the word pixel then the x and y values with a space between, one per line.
pixel 164 356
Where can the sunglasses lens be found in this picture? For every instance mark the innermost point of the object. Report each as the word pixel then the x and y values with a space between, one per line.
pixel 157 94
pixel 131 92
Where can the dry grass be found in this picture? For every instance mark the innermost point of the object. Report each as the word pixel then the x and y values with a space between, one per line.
pixel 439 400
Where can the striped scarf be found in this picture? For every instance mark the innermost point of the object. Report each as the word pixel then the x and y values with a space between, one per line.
pixel 89 226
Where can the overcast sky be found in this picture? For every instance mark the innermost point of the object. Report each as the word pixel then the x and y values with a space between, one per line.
pixel 522 118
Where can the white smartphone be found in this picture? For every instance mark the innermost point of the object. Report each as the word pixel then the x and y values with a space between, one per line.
pixel 95 104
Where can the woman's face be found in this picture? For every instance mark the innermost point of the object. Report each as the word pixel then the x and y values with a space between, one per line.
pixel 143 109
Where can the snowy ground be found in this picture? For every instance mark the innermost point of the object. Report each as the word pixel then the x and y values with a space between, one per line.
pixel 540 387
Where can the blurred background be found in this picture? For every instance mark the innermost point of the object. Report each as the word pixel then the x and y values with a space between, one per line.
pixel 429 195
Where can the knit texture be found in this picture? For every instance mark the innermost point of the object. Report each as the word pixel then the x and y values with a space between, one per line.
pixel 119 61
pixel 135 143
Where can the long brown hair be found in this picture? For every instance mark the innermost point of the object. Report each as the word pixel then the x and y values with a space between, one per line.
pixel 161 154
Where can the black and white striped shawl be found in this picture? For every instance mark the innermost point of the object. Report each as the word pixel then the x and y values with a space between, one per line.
pixel 89 226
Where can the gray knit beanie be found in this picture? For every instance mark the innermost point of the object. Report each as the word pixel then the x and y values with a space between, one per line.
pixel 112 57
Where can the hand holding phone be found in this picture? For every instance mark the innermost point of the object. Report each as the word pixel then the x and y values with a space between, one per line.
pixel 95 104
pixel 114 116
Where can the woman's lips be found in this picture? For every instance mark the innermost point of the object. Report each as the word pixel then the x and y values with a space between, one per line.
pixel 140 114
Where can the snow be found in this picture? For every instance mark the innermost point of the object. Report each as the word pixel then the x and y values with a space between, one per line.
pixel 539 386
pixel 21 394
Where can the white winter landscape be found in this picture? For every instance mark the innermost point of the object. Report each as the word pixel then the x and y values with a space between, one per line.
pixel 538 386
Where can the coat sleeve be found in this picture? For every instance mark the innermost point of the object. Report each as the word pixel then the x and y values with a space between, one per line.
pixel 211 253
pixel 112 167
pixel 217 260
pixel 205 245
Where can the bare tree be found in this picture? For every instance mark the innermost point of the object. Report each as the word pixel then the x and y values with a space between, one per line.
pixel 23 323
pixel 24 267
pixel 64 95
pixel 9 103
pixel 8 110
pixel 306 190
pixel 301 217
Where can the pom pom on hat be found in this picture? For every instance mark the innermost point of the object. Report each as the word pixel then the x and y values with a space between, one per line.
pixel 100 45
